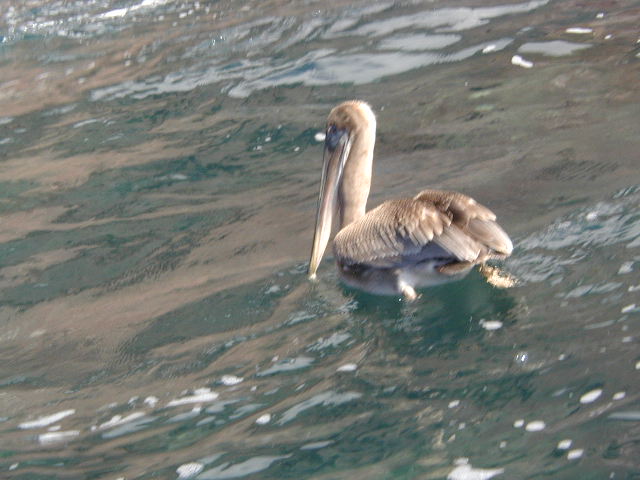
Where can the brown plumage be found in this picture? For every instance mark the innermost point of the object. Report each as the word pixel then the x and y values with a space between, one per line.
pixel 402 244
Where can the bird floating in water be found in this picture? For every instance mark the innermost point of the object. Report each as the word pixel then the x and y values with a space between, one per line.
pixel 403 244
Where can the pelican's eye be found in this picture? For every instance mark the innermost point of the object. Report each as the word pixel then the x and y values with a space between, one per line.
pixel 333 136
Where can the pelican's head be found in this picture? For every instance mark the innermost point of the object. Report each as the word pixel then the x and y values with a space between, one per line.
pixel 346 171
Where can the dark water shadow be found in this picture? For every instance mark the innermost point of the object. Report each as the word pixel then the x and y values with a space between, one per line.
pixel 221 312
pixel 442 317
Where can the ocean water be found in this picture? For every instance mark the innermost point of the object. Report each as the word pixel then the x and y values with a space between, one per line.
pixel 159 169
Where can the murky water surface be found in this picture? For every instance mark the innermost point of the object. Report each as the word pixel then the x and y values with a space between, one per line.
pixel 158 181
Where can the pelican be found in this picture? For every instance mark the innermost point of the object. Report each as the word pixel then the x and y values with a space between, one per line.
pixel 403 244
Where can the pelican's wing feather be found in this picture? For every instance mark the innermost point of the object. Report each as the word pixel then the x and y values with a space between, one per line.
pixel 434 224
pixel 473 219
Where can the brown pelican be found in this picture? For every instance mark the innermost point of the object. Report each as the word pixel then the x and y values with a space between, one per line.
pixel 403 244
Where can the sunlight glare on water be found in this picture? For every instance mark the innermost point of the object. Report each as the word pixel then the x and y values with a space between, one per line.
pixel 159 169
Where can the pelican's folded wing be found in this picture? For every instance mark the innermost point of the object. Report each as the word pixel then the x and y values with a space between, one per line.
pixel 433 225
pixel 473 219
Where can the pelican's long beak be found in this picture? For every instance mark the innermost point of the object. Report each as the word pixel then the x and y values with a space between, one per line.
pixel 336 150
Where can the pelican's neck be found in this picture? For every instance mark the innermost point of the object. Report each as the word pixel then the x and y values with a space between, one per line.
pixel 356 177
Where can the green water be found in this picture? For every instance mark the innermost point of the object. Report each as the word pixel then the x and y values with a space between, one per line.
pixel 158 181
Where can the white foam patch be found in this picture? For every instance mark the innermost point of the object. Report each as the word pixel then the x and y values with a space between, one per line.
pixel 619 395
pixel 454 403
pixel 149 3
pixel 188 470
pixel 626 267
pixel 263 419
pixel 46 420
pixel 151 401
pixel 575 454
pixel 319 137
pixel 518 61
pixel 535 426
pixel 491 324
pixel 518 423
pixel 579 30
pixel 464 471
pixel 565 444
pixel 347 367
pixel 56 437
pixel 121 12
pixel 230 380
pixel 201 395
pixel 117 13
pixel 631 308
pixel 591 396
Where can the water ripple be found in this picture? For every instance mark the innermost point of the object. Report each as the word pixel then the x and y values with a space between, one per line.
pixel 321 66
pixel 567 241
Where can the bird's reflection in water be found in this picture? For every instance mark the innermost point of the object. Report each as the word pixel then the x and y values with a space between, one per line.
pixel 437 322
